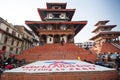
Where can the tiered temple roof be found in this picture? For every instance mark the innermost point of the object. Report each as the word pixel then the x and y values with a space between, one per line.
pixel 103 34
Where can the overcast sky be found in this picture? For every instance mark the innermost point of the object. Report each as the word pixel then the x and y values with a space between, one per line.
pixel 17 11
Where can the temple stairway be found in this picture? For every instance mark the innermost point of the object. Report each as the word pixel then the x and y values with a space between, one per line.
pixel 109 47
pixel 57 52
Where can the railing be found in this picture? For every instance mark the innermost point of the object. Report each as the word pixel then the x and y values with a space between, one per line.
pixel 116 45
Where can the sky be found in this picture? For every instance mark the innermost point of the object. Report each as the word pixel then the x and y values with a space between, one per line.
pixel 18 11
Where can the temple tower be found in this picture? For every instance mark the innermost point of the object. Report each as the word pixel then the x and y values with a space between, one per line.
pixel 104 34
pixel 56 24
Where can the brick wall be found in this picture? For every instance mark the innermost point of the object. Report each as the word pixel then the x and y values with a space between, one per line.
pixel 98 75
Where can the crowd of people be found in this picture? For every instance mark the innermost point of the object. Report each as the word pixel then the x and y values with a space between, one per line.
pixel 109 59
pixel 10 63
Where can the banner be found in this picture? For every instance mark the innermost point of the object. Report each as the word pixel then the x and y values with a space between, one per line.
pixel 58 66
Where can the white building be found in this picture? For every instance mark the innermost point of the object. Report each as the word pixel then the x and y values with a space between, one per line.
pixel 13 39
pixel 88 44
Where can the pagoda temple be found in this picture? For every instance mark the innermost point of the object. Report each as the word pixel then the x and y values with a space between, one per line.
pixel 56 33
pixel 56 24
pixel 105 39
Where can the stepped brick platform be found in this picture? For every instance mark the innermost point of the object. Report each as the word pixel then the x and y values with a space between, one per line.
pixel 60 70
pixel 109 47
pixel 61 55
pixel 57 52
pixel 106 47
